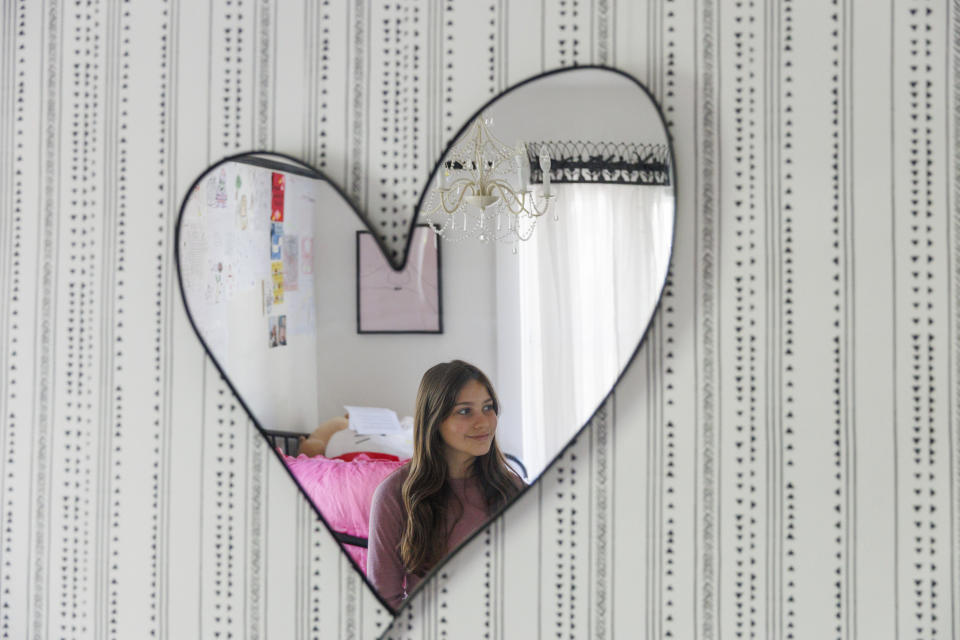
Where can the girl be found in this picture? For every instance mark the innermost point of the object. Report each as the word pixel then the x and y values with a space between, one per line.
pixel 456 479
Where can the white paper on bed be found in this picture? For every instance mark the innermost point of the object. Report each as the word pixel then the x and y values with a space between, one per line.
pixel 349 441
pixel 371 420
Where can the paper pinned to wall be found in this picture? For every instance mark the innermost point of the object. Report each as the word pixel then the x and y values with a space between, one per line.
pixel 291 261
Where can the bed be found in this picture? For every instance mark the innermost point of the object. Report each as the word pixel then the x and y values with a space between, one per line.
pixel 342 486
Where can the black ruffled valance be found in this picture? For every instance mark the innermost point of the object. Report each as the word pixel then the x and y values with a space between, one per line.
pixel 602 162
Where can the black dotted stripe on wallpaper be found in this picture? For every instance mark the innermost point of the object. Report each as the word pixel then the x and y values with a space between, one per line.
pixel 672 400
pixel 402 82
pixel 575 571
pixel 116 376
pixel 748 429
pixel 572 22
pixel 165 299
pixel 495 44
pixel 225 510
pixel 788 592
pixel 447 29
pixel 707 254
pixel 443 608
pixel 488 579
pixel 561 562
pixel 922 540
pixel 432 98
pixel 232 47
pixel 318 24
pixel 493 579
pixel 492 27
pixel 115 224
pixel 672 397
pixel 571 507
pixel 317 577
pixel 77 288
pixel 842 338
pixel 233 44
pixel 12 288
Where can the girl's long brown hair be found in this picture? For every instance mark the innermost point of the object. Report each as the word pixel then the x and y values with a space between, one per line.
pixel 426 491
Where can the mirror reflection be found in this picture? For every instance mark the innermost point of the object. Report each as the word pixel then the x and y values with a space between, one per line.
pixel 411 405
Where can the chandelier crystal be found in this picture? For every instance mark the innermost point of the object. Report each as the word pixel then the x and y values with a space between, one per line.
pixel 481 191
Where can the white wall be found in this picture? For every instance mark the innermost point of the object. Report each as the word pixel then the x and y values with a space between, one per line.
pixel 605 108
pixel 277 383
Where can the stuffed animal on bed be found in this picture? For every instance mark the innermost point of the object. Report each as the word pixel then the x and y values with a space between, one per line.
pixel 334 439
pixel 316 443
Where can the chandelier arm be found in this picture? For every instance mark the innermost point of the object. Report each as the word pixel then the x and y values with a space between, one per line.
pixel 514 202
pixel 539 211
pixel 517 204
pixel 461 194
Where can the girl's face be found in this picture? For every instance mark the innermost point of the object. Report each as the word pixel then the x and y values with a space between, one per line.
pixel 468 431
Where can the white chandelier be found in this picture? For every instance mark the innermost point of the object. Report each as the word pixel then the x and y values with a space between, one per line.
pixel 481 192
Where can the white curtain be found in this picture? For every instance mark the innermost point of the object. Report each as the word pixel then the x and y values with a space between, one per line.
pixel 589 282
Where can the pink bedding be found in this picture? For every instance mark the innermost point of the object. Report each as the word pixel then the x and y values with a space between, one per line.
pixel 342 491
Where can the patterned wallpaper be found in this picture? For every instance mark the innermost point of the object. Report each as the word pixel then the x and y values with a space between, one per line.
pixel 782 460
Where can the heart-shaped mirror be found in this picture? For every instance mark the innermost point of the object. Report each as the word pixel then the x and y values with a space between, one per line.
pixel 413 402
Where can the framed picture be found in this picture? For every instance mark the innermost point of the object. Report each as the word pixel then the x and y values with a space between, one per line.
pixel 406 301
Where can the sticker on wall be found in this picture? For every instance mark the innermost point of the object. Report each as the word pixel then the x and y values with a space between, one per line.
pixel 217 189
pixel 291 258
pixel 216 289
pixel 278 331
pixel 276 274
pixel 266 294
pixel 276 202
pixel 276 240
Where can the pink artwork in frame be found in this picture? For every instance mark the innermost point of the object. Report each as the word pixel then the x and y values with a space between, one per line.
pixel 406 301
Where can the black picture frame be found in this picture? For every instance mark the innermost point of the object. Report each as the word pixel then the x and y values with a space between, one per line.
pixel 407 311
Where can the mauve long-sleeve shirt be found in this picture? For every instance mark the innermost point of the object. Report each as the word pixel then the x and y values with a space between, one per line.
pixel 387 519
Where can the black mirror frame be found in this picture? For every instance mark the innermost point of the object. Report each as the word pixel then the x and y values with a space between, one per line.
pixel 302 168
